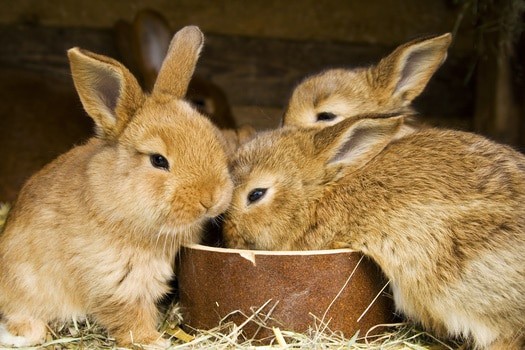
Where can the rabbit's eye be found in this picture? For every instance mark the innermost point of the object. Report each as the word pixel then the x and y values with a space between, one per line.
pixel 159 161
pixel 256 194
pixel 325 116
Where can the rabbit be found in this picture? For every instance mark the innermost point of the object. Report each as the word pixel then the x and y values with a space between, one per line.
pixel 440 211
pixel 143 43
pixel 96 231
pixel 388 87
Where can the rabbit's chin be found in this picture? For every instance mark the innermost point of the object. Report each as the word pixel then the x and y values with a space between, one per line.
pixel 186 233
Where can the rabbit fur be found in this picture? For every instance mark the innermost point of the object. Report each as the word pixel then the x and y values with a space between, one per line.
pixel 143 44
pixel 440 211
pixel 95 232
pixel 387 87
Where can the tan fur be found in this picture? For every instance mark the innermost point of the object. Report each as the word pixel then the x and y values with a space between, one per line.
pixel 388 87
pixel 440 211
pixel 236 137
pixel 96 231
pixel 143 43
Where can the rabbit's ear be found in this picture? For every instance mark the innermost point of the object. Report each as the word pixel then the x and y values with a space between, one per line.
pixel 407 70
pixel 152 34
pixel 109 93
pixel 353 143
pixel 179 64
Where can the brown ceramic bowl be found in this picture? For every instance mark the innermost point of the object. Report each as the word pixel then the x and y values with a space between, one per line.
pixel 339 287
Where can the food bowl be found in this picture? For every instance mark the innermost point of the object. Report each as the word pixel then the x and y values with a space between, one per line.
pixel 293 290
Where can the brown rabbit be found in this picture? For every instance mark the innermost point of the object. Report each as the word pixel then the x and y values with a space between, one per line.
pixel 95 232
pixel 388 87
pixel 440 211
pixel 143 45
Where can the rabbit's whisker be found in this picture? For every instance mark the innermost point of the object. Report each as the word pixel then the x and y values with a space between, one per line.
pixel 165 242
pixel 159 233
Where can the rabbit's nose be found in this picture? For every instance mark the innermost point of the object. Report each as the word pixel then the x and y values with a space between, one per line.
pixel 217 200
pixel 207 202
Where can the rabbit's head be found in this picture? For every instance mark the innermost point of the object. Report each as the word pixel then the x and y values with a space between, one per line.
pixel 143 44
pixel 388 87
pixel 281 176
pixel 162 165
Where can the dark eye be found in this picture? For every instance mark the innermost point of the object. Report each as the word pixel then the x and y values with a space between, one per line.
pixel 256 194
pixel 158 161
pixel 325 116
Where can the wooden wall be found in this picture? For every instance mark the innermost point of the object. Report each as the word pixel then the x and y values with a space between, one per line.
pixel 380 22
pixel 255 50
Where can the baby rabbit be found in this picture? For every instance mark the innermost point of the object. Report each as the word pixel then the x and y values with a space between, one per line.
pixel 143 44
pixel 440 211
pixel 95 232
pixel 388 87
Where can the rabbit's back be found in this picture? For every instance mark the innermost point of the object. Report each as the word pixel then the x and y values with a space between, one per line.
pixel 441 212
pixel 43 226
pixel 467 186
pixel 56 186
pixel 69 254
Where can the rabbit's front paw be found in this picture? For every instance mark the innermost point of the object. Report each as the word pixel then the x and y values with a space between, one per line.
pixel 22 332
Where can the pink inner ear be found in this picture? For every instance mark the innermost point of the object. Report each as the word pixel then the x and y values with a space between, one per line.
pixel 417 67
pixel 352 146
pixel 108 89
pixel 156 46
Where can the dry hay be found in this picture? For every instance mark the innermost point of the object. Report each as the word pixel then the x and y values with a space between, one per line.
pixel 401 336
pixel 227 335
pixel 88 335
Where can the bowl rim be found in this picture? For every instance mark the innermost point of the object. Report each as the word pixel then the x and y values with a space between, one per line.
pixel 252 253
